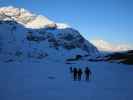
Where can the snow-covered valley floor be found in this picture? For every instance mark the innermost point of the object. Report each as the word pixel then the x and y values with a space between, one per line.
pixel 51 80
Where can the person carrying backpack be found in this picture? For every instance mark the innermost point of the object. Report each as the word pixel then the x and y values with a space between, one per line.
pixel 75 71
pixel 87 72
pixel 79 74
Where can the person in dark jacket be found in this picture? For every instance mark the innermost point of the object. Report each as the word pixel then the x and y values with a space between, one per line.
pixel 87 74
pixel 79 74
pixel 71 72
pixel 75 73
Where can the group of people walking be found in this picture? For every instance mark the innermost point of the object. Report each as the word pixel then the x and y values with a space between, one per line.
pixel 78 72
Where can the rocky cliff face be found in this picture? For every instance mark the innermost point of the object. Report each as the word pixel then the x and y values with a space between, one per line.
pixel 18 37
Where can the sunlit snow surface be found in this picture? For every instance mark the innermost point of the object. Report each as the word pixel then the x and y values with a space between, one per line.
pixel 27 18
pixel 29 80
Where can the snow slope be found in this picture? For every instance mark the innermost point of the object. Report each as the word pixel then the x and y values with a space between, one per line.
pixel 51 80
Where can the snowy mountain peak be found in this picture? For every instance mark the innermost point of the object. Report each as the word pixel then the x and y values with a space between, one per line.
pixel 17 14
pixel 110 47
pixel 27 18
pixel 36 36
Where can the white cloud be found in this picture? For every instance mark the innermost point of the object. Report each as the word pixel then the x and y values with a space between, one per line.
pixel 106 46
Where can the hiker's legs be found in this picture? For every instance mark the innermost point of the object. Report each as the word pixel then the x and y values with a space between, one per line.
pixel 79 77
pixel 87 77
pixel 75 77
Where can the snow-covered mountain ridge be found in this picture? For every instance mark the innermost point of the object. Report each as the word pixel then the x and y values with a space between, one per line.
pixel 105 46
pixel 25 34
pixel 27 18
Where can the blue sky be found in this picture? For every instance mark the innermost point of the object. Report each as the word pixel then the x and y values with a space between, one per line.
pixel 110 20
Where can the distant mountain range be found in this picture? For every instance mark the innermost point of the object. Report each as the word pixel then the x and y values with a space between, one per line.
pixel 105 46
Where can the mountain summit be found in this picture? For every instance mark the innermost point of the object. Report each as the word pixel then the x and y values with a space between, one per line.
pixel 23 34
pixel 27 18
pixel 105 46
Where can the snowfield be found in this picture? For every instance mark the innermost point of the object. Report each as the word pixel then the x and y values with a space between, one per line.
pixel 33 55
pixel 51 80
